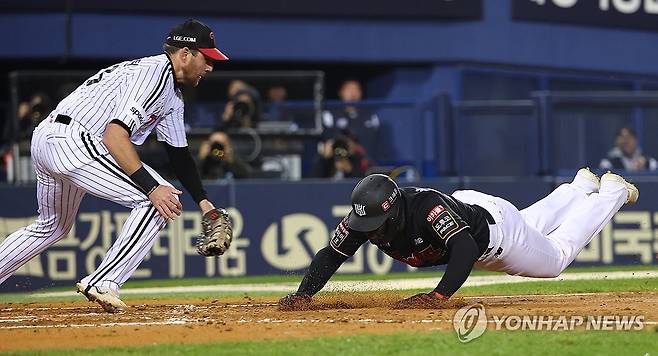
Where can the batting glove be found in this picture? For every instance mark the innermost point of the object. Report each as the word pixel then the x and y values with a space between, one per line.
pixel 295 301
pixel 422 300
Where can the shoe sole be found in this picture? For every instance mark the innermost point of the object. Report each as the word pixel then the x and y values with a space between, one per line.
pixel 633 192
pixel 108 307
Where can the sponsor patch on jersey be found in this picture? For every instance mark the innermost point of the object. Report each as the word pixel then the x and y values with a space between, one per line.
pixel 136 114
pixel 445 225
pixel 340 234
pixel 434 213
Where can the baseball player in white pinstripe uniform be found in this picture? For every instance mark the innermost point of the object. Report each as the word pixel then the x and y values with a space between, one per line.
pixel 86 146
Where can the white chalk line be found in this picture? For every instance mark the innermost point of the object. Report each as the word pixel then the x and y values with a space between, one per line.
pixel 368 285
pixel 246 321
pixel 198 307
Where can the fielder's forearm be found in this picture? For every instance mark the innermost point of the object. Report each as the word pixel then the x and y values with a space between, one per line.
pixel 324 265
pixel 117 141
pixel 463 254
pixel 185 168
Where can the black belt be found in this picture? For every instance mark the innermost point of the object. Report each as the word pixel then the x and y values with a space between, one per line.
pixel 63 119
pixel 489 218
pixel 487 215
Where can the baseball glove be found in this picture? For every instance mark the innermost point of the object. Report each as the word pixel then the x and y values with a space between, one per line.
pixel 216 235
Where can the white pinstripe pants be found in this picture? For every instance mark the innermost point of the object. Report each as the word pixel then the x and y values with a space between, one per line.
pixel 70 163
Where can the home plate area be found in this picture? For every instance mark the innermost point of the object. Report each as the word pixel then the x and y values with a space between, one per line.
pixel 201 320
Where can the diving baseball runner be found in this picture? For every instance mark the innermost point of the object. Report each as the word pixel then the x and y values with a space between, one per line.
pixel 424 227
pixel 86 146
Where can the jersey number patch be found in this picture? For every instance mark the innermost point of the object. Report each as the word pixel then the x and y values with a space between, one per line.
pixel 99 76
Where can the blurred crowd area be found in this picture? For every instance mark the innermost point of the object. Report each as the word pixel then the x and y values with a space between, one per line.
pixel 514 88
pixel 237 128
pixel 288 125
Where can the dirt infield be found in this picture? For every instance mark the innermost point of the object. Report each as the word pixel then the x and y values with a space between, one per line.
pixel 83 324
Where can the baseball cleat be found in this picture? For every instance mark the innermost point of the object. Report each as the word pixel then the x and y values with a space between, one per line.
pixel 107 298
pixel 587 174
pixel 633 192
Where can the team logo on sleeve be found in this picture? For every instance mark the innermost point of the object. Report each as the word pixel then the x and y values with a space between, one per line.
pixel 435 212
pixel 360 210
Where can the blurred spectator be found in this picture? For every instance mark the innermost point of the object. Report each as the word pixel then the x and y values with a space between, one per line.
pixel 627 154
pixel 341 158
pixel 277 94
pixel 243 108
pixel 31 112
pixel 219 160
pixel 363 124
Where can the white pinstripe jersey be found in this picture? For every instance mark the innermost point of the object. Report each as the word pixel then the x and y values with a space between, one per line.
pixel 140 93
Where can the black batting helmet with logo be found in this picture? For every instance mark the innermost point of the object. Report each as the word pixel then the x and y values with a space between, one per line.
pixel 374 200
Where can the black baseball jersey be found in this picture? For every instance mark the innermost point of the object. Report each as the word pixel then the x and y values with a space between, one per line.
pixel 432 218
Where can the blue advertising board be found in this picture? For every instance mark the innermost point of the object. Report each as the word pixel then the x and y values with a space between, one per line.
pixel 278 227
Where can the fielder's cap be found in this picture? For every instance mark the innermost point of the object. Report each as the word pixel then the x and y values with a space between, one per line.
pixel 195 34
pixel 374 199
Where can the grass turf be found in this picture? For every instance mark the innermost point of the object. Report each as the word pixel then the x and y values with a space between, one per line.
pixel 491 343
pixel 541 287
pixel 408 344
pixel 296 278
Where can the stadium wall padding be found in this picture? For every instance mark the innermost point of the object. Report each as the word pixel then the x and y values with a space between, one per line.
pixel 280 225
pixel 495 38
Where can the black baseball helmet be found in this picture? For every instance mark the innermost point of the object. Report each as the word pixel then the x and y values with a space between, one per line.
pixel 374 200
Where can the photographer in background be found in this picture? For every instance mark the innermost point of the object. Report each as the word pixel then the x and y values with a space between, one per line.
pixel 218 159
pixel 244 107
pixel 341 158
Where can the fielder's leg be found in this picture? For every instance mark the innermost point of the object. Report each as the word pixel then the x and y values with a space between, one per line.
pixel 547 214
pixel 138 233
pixel 58 203
pixel 93 170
